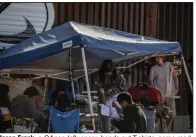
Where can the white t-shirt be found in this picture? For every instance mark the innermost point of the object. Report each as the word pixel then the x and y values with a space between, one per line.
pixel 162 79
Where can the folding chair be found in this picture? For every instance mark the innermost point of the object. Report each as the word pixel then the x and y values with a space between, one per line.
pixel 63 122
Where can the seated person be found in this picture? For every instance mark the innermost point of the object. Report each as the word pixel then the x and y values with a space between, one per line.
pixel 62 102
pixel 5 104
pixel 24 106
pixel 60 99
pixel 133 119
pixel 56 93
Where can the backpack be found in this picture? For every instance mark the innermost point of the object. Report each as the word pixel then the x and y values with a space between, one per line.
pixel 153 94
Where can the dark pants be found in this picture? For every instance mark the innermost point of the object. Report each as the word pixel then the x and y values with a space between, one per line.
pixel 104 122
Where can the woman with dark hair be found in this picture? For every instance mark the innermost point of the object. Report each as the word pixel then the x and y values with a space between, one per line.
pixel 60 99
pixel 55 94
pixel 62 102
pixel 103 83
pixel 120 81
pixel 110 78
pixel 108 84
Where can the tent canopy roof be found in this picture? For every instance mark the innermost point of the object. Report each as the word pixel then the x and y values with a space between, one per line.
pixel 49 50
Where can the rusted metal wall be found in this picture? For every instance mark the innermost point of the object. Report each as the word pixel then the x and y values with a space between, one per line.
pixel 167 21
pixel 129 17
pixel 175 23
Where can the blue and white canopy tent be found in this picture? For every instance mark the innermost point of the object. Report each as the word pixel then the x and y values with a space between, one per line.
pixel 78 49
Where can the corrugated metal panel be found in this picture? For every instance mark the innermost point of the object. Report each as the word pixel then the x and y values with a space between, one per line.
pixel 12 18
pixel 19 21
pixel 176 24
pixel 128 17
pixel 168 21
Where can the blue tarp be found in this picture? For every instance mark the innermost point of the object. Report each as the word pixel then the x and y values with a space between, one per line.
pixel 104 43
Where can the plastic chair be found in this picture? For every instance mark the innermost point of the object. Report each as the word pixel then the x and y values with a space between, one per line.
pixel 63 122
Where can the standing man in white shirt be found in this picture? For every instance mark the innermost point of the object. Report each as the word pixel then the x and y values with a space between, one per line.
pixel 165 79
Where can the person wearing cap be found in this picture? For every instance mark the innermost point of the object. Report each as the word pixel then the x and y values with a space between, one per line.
pixel 165 79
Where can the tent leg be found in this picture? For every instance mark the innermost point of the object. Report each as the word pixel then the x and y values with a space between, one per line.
pixel 73 90
pixel 71 75
pixel 88 87
pixel 187 74
pixel 46 90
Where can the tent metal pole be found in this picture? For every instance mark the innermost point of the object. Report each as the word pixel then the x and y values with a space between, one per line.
pixel 58 73
pixel 121 53
pixel 64 79
pixel 38 77
pixel 145 58
pixel 46 89
pixel 132 53
pixel 187 74
pixel 71 75
pixel 87 85
pixel 84 75
pixel 73 90
pixel 82 70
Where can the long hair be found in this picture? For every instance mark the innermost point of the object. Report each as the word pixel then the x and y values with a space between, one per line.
pixel 107 66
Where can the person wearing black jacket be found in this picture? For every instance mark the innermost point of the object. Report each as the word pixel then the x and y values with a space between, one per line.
pixel 133 119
